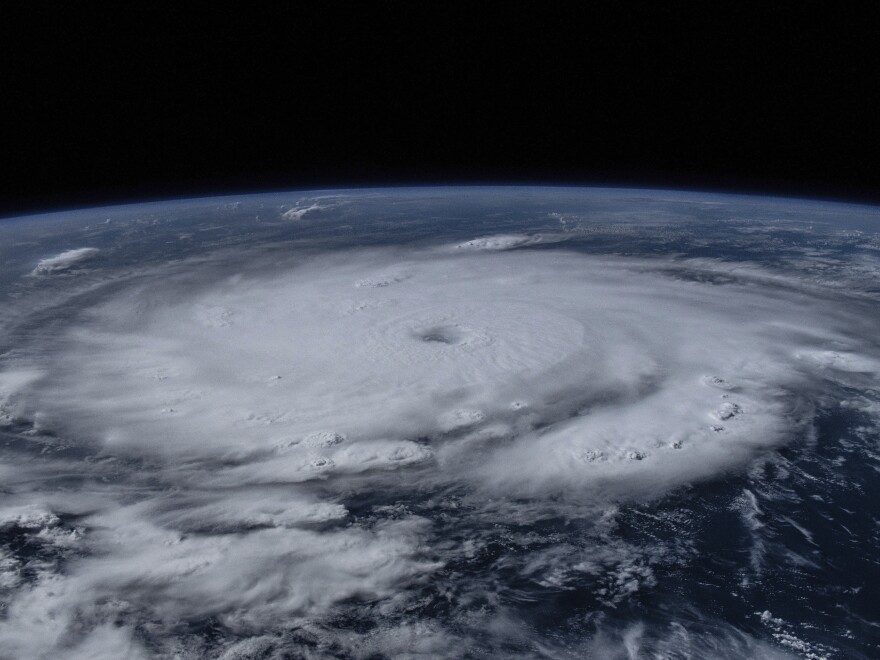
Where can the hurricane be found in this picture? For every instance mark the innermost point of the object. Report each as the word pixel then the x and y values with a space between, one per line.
pixel 523 422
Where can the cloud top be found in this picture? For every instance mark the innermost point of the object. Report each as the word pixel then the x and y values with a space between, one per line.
pixel 64 261
pixel 287 445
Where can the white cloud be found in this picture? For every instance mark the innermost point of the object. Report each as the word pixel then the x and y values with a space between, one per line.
pixel 64 261
pixel 499 242
pixel 312 205
pixel 234 427
pixel 297 213
pixel 841 361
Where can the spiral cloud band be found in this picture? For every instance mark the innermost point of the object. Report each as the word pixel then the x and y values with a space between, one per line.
pixel 244 442
pixel 559 371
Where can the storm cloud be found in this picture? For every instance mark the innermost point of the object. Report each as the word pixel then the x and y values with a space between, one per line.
pixel 226 429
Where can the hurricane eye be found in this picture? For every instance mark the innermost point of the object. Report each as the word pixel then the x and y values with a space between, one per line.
pixel 439 335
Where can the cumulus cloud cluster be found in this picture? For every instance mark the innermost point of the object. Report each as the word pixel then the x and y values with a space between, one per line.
pixel 231 428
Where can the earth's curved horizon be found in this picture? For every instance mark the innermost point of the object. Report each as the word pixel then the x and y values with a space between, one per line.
pixel 519 421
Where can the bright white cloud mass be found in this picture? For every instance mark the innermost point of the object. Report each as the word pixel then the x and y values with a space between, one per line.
pixel 526 360
pixel 64 261
pixel 244 441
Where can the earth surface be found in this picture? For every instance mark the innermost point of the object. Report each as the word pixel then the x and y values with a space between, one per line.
pixel 441 422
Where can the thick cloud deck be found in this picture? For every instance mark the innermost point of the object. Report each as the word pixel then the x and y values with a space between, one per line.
pixel 229 419
pixel 557 371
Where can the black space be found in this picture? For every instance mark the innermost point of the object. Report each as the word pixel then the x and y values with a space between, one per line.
pixel 104 105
